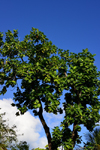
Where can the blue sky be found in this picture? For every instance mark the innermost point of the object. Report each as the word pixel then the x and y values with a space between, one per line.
pixel 69 24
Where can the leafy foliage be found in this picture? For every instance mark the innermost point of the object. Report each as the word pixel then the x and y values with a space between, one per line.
pixel 39 148
pixel 93 139
pixel 20 146
pixel 45 71
pixel 8 137
pixel 43 149
pixel 7 134
pixel 84 89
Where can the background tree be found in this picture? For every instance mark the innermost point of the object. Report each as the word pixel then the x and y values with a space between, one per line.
pixel 46 148
pixel 93 139
pixel 8 137
pixel 7 134
pixel 22 145
pixel 39 148
pixel 45 71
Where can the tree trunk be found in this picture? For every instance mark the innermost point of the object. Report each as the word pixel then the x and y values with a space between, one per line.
pixel 46 128
pixel 74 134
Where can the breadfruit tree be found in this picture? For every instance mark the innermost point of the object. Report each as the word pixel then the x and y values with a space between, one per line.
pixel 45 72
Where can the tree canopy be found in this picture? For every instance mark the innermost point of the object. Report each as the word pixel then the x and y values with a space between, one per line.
pixel 45 72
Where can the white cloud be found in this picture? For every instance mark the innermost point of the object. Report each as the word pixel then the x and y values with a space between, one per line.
pixel 26 124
